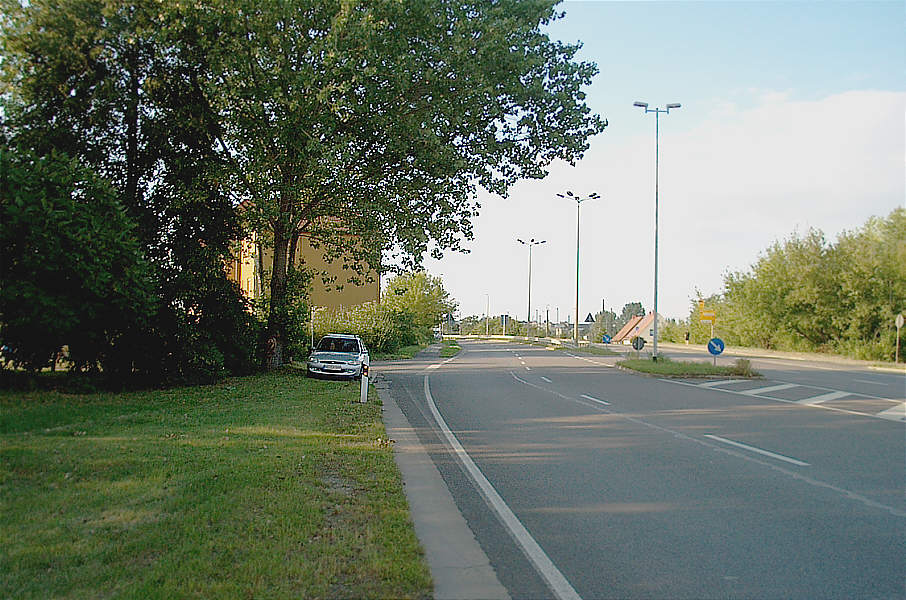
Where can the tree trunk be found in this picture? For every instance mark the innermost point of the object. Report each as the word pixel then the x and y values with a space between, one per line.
pixel 276 320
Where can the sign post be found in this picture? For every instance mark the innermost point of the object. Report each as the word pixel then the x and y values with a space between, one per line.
pixel 715 347
pixel 899 323
pixel 363 394
pixel 638 343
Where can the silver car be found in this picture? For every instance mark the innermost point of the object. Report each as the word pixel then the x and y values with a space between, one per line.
pixel 338 355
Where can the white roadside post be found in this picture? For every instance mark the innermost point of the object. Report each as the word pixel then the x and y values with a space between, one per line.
pixel 899 323
pixel 363 397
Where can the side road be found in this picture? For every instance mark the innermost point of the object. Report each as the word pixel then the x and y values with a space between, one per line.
pixel 459 567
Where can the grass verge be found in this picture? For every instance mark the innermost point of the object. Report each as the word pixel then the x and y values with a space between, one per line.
pixel 670 368
pixel 597 351
pixel 271 486
pixel 404 353
pixel 450 348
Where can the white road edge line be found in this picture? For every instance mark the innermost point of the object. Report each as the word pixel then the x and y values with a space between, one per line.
pixel 758 450
pixel 545 567
pixel 593 399
pixel 543 378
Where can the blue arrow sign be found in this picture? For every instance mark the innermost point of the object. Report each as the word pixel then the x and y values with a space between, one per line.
pixel 606 338
pixel 715 346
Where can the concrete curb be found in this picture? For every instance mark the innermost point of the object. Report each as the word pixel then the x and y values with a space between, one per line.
pixel 460 568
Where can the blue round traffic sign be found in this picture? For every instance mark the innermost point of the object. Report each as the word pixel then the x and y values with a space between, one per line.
pixel 715 346
pixel 606 338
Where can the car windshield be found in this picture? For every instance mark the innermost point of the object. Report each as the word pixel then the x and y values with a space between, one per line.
pixel 338 345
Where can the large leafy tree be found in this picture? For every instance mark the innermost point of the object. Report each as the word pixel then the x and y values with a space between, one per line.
pixel 420 295
pixel 379 121
pixel 111 84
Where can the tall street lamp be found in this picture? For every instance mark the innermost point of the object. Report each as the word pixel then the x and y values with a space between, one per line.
pixel 579 200
pixel 487 317
pixel 528 314
pixel 657 113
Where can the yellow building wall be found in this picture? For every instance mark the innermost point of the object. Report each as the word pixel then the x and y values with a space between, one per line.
pixel 244 268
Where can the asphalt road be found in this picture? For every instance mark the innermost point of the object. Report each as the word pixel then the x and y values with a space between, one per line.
pixel 633 487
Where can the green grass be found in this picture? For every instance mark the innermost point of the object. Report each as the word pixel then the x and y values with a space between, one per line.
pixel 270 486
pixel 670 368
pixel 404 353
pixel 450 348
pixel 598 351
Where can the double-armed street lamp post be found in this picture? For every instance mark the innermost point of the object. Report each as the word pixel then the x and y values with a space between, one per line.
pixel 657 113
pixel 528 314
pixel 579 200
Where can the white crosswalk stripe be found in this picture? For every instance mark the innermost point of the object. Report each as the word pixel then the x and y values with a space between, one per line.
pixel 895 413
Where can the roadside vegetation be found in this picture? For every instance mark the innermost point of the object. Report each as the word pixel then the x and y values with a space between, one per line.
pixel 450 348
pixel 595 350
pixel 673 368
pixel 805 294
pixel 271 486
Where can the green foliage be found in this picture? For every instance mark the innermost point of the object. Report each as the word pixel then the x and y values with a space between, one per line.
pixel 116 87
pixel 72 273
pixel 422 296
pixel 306 99
pixel 383 329
pixel 805 294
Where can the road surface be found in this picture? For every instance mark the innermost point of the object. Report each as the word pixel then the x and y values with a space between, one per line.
pixel 580 480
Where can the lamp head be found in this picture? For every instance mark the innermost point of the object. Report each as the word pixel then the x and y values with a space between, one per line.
pixel 640 104
pixel 674 105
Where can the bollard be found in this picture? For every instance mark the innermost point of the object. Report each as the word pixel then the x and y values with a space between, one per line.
pixel 363 398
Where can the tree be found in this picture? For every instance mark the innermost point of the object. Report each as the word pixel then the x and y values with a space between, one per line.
pixel 115 86
pixel 72 273
pixel 605 323
pixel 630 309
pixel 422 296
pixel 379 121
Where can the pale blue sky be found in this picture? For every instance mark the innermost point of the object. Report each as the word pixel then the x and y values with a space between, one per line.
pixel 792 117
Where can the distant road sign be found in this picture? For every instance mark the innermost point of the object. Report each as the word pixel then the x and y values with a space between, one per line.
pixel 899 321
pixel 715 346
pixel 707 315
pixel 638 343
pixel 606 338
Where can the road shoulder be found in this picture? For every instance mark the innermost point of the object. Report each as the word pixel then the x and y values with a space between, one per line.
pixel 459 566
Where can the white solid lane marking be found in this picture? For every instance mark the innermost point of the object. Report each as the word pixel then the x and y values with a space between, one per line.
pixel 543 378
pixel 770 388
pixel 758 450
pixel 546 568
pixel 871 382
pixel 593 399
pixel 897 413
pixel 823 398
pixel 528 368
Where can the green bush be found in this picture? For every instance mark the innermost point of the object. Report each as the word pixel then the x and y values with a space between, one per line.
pixel 383 329
pixel 71 269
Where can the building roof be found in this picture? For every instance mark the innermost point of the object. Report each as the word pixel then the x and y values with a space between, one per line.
pixel 627 329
